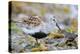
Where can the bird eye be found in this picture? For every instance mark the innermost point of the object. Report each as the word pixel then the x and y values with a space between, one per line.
pixel 53 19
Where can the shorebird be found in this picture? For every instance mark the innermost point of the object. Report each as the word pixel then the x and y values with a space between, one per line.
pixel 36 27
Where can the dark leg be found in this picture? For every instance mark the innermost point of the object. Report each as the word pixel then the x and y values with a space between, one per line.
pixel 36 41
pixel 37 44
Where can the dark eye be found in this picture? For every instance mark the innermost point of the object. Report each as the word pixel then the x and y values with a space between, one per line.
pixel 53 19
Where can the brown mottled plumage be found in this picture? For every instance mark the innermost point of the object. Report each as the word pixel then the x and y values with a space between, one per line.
pixel 32 21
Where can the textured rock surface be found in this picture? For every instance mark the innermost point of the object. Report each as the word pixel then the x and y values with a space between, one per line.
pixel 66 16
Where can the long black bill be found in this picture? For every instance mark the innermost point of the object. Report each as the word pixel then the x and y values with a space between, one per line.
pixel 57 25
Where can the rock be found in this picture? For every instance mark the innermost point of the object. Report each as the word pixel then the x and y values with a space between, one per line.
pixel 56 35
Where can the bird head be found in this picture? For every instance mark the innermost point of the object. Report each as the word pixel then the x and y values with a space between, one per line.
pixel 49 18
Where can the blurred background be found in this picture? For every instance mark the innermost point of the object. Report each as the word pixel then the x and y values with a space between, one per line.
pixel 65 14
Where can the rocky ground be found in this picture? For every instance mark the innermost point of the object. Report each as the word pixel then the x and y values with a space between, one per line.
pixel 57 40
pixel 26 43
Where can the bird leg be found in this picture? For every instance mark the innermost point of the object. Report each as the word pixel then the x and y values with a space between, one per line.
pixel 36 41
pixel 37 44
